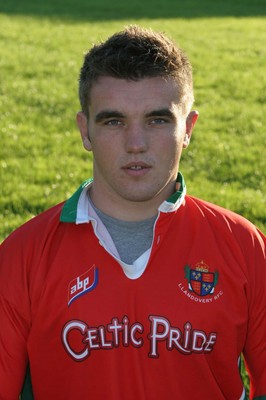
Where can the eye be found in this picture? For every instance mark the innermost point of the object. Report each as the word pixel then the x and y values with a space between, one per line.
pixel 113 122
pixel 159 121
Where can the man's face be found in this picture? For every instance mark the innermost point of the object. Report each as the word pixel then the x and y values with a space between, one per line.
pixel 136 132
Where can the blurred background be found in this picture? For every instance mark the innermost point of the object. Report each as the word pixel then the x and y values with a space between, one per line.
pixel 42 160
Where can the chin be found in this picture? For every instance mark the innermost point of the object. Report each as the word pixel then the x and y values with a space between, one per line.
pixel 139 197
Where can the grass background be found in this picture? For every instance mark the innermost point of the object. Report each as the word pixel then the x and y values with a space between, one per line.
pixel 42 45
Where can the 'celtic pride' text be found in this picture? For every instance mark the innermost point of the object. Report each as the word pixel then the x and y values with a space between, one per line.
pixel 80 339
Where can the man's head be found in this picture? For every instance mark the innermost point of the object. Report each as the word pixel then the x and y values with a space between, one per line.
pixel 134 54
pixel 136 94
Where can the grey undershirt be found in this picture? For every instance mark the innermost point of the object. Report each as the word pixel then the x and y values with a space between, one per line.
pixel 131 238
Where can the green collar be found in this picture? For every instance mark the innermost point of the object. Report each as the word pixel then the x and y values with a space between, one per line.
pixel 75 209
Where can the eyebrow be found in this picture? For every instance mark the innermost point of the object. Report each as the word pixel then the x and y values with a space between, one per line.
pixel 105 114
pixel 163 112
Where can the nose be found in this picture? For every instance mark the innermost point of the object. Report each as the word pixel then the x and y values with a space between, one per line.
pixel 136 139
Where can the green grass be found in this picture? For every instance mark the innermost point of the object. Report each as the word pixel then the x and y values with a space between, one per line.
pixel 42 44
pixel 42 160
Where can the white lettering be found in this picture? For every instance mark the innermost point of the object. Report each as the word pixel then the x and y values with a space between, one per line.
pixel 91 338
pixel 120 333
pixel 115 328
pixel 136 328
pixel 80 326
pixel 159 331
pixel 210 342
pixel 188 341
pixel 198 341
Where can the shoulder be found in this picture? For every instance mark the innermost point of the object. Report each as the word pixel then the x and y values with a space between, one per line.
pixel 223 220
pixel 34 229
pixel 22 252
pixel 214 211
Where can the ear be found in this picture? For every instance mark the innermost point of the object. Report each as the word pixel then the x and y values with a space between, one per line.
pixel 190 123
pixel 82 123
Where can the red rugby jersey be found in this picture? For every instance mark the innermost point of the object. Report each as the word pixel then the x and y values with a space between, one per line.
pixel 176 331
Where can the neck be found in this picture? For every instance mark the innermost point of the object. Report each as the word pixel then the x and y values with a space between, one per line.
pixel 127 210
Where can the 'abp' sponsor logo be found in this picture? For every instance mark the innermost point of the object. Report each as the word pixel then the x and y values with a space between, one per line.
pixel 82 284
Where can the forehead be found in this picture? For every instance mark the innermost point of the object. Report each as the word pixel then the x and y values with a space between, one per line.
pixel 134 96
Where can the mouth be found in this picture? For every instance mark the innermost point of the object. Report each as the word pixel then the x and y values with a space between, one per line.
pixel 138 165
pixel 136 168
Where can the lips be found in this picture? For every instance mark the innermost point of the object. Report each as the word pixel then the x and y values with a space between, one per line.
pixel 137 168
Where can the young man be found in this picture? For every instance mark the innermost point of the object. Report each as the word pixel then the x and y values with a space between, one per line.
pixel 132 289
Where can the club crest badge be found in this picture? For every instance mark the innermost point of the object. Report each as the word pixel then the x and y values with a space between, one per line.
pixel 200 280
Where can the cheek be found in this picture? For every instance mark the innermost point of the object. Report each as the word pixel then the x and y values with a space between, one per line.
pixel 105 153
pixel 169 156
pixel 170 146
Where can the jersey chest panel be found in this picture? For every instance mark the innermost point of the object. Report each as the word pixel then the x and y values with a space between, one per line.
pixel 125 333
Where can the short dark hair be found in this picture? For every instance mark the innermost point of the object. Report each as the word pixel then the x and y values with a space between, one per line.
pixel 133 54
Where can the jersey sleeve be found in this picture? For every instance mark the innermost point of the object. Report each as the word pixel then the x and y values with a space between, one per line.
pixel 14 317
pixel 255 345
pixel 21 282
